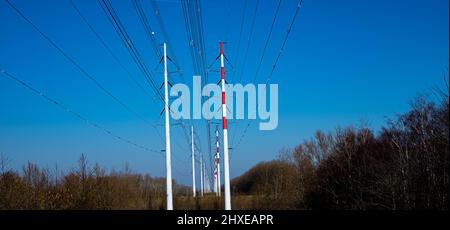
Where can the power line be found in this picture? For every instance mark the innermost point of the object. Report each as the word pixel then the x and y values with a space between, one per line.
pixel 74 113
pixel 266 45
pixel 75 63
pixel 240 34
pixel 121 31
pixel 203 56
pixel 288 32
pixel 100 39
pixel 149 31
pixel 252 27
pixel 249 39
pixel 128 43
pixel 267 41
pixel 194 32
pixel 195 36
pixel 79 116
pixel 162 26
pixel 297 11
pixel 233 134
pixel 228 13
pixel 71 60
pixel 144 21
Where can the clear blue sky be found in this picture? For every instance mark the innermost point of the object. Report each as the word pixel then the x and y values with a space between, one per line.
pixel 345 61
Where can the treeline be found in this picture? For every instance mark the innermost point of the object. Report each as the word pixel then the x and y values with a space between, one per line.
pixel 86 187
pixel 405 166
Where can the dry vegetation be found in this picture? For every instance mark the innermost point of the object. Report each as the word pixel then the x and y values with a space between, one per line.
pixel 405 166
pixel 83 188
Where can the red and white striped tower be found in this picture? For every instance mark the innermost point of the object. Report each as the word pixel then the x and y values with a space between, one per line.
pixel 225 134
pixel 215 174
pixel 217 171
pixel 216 162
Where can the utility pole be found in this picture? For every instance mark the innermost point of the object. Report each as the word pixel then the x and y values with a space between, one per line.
pixel 215 177
pixel 206 181
pixel 217 161
pixel 201 175
pixel 225 133
pixel 208 127
pixel 168 163
pixel 193 161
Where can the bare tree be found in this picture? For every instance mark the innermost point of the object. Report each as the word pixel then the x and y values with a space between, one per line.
pixel 4 164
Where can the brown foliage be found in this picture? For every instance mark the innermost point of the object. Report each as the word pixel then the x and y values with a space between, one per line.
pixel 405 167
pixel 84 188
pixel 271 182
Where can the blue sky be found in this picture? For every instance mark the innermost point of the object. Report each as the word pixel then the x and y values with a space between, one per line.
pixel 344 62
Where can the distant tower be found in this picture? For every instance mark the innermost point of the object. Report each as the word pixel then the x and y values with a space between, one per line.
pixel 217 165
pixel 193 161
